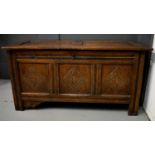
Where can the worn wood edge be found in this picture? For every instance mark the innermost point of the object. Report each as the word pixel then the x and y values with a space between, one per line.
pixel 139 83
pixel 16 95
pixel 48 95
pixel 145 76
pixel 102 101
pixel 12 80
pixel 56 78
pixel 133 86
pixel 79 45
pixel 18 82
pixel 51 82
pixel 79 49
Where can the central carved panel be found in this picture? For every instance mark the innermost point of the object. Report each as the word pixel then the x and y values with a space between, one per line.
pixel 75 79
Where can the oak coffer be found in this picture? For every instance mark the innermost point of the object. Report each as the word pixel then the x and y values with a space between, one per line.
pixel 78 72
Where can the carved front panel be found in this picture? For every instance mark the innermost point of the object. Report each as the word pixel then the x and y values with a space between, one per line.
pixel 116 79
pixel 34 77
pixel 75 78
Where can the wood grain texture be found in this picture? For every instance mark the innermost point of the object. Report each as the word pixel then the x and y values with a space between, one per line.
pixel 34 77
pixel 17 100
pixel 139 83
pixel 133 85
pixel 116 79
pixel 78 72
pixel 15 79
pixel 75 78
pixel 79 45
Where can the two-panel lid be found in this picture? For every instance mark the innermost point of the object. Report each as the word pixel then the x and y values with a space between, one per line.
pixel 79 45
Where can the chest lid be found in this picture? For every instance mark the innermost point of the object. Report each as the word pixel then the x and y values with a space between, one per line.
pixel 79 45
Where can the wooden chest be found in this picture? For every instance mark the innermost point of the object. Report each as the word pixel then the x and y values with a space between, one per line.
pixel 77 71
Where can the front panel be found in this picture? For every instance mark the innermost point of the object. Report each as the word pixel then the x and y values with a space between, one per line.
pixel 93 77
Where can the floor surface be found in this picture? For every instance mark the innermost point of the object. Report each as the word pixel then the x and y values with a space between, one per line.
pixel 60 113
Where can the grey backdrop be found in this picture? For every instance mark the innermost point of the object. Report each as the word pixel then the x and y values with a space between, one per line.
pixel 6 39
